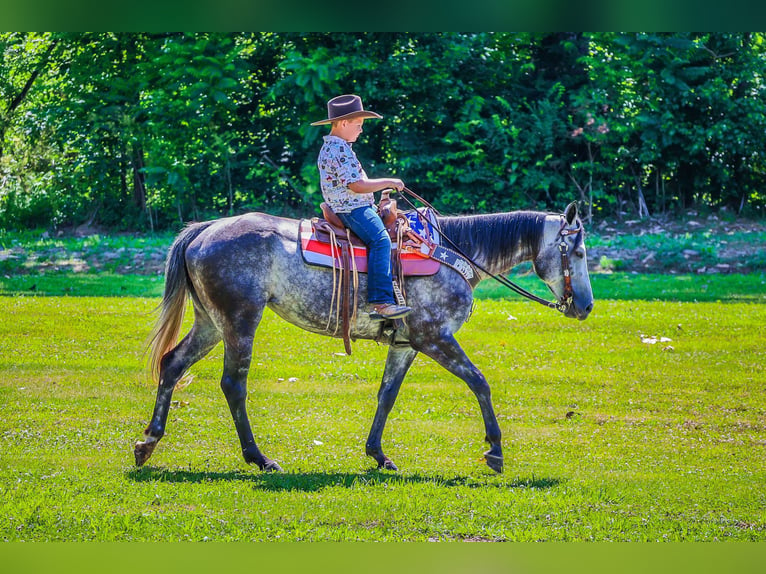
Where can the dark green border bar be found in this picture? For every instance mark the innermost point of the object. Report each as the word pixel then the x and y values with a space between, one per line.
pixel 396 15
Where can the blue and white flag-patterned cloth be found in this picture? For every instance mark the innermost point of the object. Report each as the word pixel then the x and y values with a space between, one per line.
pixel 423 223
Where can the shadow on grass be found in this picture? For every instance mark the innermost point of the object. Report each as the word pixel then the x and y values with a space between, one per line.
pixel 315 481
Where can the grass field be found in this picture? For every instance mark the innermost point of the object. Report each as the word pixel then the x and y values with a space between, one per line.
pixel 607 435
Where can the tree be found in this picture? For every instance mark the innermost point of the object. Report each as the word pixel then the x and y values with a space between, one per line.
pixel 147 131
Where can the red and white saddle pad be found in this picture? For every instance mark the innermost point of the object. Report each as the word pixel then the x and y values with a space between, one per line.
pixel 316 252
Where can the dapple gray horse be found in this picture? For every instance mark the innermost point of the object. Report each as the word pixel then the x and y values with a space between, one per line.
pixel 236 267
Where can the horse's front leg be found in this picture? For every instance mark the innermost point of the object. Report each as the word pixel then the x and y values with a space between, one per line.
pixel 447 352
pixel 398 363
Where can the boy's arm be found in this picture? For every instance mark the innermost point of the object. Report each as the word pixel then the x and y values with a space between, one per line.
pixel 371 185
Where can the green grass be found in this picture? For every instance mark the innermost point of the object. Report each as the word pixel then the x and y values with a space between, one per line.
pixel 618 286
pixel 666 441
pixel 43 241
pixel 83 285
pixel 647 287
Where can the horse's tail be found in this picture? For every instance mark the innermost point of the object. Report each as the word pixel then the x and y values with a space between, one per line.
pixel 173 307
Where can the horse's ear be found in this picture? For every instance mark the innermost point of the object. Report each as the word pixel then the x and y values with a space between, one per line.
pixel 571 213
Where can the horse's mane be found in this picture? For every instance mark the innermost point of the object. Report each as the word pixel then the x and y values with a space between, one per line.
pixel 495 236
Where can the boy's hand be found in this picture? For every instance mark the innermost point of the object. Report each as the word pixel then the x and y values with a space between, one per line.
pixel 397 184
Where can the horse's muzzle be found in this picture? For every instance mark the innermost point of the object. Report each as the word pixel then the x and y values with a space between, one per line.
pixel 582 313
pixel 576 311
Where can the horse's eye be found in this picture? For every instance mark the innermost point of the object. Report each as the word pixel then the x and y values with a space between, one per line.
pixel 580 253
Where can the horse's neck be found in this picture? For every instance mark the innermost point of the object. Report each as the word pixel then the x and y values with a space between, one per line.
pixel 497 242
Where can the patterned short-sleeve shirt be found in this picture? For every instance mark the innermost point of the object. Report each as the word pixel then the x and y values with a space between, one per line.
pixel 338 167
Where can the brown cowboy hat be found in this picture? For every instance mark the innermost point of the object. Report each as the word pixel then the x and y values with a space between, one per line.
pixel 346 107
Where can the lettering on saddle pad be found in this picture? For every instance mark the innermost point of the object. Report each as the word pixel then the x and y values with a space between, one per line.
pixel 324 254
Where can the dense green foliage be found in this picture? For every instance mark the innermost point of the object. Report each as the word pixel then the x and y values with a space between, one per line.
pixel 607 437
pixel 144 131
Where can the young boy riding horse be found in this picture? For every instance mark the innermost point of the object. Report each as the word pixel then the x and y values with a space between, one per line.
pixel 350 194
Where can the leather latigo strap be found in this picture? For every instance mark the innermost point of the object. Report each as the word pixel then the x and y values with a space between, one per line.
pixel 346 296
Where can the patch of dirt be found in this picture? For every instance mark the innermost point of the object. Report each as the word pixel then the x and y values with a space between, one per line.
pixel 84 251
pixel 694 244
pixel 124 260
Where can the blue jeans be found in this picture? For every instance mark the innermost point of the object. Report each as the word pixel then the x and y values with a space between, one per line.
pixel 366 223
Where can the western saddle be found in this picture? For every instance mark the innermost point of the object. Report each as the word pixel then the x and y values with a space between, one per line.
pixel 330 229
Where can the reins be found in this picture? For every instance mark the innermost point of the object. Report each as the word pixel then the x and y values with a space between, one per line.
pixel 566 300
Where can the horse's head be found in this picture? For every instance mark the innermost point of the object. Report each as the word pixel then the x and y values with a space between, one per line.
pixel 562 264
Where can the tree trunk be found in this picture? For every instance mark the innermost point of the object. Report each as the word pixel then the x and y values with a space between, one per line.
pixel 139 185
pixel 643 209
pixel 229 184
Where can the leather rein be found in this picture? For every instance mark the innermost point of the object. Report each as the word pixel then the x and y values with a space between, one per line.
pixel 566 300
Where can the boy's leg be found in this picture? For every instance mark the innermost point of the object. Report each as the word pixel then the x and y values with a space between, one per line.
pixel 380 292
pixel 368 226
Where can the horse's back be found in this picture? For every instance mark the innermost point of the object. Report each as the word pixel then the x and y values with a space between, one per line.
pixel 254 260
pixel 237 255
pixel 241 231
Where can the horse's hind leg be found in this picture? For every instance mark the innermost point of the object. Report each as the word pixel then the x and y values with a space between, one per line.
pixel 238 345
pixel 197 343
pixel 398 362
pixel 448 353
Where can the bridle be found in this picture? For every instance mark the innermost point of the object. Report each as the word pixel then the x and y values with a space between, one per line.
pixel 566 299
pixel 563 304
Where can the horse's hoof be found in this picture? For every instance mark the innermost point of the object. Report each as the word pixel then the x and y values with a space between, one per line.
pixel 387 464
pixel 142 451
pixel 494 462
pixel 383 461
pixel 271 466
